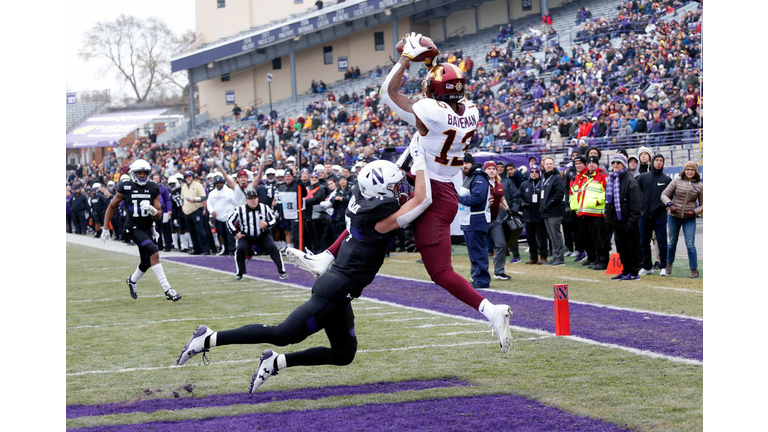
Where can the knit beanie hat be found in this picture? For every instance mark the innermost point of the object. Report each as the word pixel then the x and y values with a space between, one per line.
pixel 691 164
pixel 620 158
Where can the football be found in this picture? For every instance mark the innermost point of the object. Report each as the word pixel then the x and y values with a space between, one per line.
pixel 425 42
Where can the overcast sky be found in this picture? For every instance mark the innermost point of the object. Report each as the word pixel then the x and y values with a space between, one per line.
pixel 179 15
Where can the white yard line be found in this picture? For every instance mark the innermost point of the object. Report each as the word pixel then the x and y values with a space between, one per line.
pixel 679 289
pixel 581 279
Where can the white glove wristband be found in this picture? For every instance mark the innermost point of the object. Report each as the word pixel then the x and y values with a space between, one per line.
pixel 412 47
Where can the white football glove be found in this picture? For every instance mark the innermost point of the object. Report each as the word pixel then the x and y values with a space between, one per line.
pixel 166 217
pixel 419 162
pixel 147 207
pixel 106 235
pixel 413 48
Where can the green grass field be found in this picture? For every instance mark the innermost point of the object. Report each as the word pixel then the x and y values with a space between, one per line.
pixel 123 350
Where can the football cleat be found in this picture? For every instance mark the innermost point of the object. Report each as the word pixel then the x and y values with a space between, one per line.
pixel 132 288
pixel 171 294
pixel 500 325
pixel 266 369
pixel 284 275
pixel 195 346
pixel 315 264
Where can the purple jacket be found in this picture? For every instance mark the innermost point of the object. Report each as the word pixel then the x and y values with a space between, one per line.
pixel 165 199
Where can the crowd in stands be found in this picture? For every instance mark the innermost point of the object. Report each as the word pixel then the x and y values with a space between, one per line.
pixel 618 87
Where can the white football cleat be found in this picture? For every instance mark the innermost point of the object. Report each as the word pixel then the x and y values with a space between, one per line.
pixel 195 346
pixel 500 324
pixel 266 369
pixel 318 264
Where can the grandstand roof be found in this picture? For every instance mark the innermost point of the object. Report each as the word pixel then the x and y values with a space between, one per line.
pixel 260 44
pixel 106 130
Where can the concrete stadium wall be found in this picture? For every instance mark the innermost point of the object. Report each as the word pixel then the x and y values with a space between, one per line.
pixel 213 23
pixel 251 84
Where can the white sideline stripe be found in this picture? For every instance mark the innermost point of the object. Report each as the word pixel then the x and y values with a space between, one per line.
pixel 679 289
pixel 93 269
pixel 638 351
pixel 410 319
pixel 387 313
pixel 580 279
pixel 172 320
pixel 226 362
pixel 95 282
pixel 163 295
pixel 436 313
pixel 597 305
pixel 443 325
pixel 465 332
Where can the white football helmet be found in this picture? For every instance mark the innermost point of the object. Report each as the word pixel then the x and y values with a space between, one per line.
pixel 381 178
pixel 140 165
pixel 124 178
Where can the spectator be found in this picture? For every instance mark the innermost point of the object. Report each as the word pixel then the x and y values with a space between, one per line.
pixel 475 194
pixel 319 4
pixel 221 204
pixel 509 182
pixel 624 203
pixel 236 111
pixel 546 20
pixel 79 209
pixel 653 217
pixel 681 197
pixel 552 209
pixel 527 197
pixel 496 228
pixel 193 195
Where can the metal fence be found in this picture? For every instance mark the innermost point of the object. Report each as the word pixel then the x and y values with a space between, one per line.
pixel 677 147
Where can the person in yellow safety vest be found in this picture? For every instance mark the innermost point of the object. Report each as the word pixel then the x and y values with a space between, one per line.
pixel 591 201
pixel 582 240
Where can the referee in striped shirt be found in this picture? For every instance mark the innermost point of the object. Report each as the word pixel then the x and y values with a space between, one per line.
pixel 250 224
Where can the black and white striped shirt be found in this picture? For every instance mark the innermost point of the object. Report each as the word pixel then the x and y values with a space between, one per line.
pixel 249 219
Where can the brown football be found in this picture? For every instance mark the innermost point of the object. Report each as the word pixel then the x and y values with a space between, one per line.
pixel 424 41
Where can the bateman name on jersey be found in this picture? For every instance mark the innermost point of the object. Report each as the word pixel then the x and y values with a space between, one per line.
pixel 462 122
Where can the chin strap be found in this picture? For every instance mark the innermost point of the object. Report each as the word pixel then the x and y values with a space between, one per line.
pixel 384 95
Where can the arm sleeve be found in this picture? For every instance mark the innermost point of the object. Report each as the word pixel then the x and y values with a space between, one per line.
pixel 409 217
pixel 270 216
pixel 232 219
pixel 384 94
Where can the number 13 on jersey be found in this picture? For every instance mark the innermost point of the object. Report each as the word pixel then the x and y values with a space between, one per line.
pixel 450 137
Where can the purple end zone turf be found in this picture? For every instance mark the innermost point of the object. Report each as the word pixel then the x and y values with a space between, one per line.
pixel 74 411
pixel 678 337
pixel 478 413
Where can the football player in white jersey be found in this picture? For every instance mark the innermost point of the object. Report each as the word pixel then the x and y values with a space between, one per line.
pixel 446 122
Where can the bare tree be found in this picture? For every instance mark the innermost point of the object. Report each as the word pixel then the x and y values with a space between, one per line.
pixel 138 51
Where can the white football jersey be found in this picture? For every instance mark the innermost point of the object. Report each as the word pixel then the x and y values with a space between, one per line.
pixel 448 138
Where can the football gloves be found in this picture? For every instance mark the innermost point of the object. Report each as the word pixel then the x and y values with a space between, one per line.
pixel 147 207
pixel 412 47
pixel 105 235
